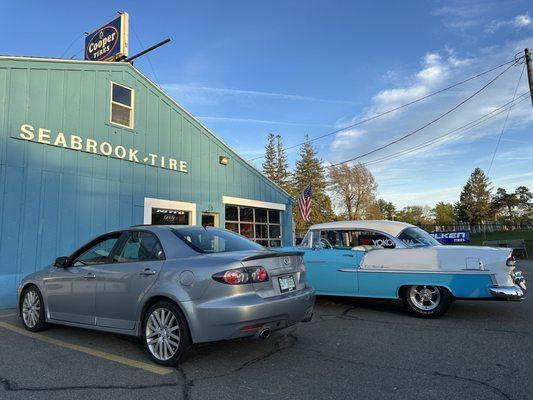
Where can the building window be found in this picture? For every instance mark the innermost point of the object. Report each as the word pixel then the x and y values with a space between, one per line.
pixel 261 225
pixel 162 216
pixel 122 102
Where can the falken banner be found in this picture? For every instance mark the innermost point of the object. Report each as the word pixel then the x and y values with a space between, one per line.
pixel 449 237
pixel 109 42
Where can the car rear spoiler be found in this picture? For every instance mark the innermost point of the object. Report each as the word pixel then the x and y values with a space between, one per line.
pixel 274 254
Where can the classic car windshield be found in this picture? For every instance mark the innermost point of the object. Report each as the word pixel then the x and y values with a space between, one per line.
pixel 416 237
pixel 212 240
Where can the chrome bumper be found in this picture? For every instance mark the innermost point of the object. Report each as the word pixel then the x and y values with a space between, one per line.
pixel 516 292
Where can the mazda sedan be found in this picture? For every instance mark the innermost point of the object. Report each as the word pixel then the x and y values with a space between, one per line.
pixel 172 286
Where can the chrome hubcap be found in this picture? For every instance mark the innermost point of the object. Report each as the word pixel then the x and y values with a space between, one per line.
pixel 162 334
pixel 425 297
pixel 31 308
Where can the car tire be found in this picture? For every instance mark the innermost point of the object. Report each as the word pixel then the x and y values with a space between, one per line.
pixel 165 333
pixel 426 301
pixel 32 309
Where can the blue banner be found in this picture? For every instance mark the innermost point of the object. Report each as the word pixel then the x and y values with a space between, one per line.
pixel 449 237
pixel 108 42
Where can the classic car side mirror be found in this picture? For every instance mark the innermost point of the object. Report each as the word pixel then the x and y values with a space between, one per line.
pixel 61 262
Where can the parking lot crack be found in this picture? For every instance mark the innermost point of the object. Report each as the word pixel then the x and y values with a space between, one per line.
pixel 478 382
pixel 186 383
pixel 286 342
pixel 10 386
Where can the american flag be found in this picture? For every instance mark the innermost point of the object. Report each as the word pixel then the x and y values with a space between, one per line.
pixel 304 203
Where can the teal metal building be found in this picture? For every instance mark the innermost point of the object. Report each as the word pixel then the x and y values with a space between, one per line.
pixel 87 147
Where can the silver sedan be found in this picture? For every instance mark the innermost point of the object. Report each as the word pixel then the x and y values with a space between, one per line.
pixel 172 286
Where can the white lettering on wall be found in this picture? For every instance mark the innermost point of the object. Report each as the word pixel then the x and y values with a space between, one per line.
pixel 73 142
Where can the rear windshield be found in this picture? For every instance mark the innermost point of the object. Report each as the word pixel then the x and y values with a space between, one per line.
pixel 213 240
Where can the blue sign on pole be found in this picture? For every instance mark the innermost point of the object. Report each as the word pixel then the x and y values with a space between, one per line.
pixel 448 237
pixel 109 42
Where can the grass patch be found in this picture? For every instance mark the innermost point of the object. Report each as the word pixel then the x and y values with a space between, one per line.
pixel 477 239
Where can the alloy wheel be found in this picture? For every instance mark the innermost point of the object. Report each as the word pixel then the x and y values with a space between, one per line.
pixel 162 334
pixel 425 298
pixel 31 308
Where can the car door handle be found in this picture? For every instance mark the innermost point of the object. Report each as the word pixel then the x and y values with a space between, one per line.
pixel 347 270
pixel 89 276
pixel 348 255
pixel 147 272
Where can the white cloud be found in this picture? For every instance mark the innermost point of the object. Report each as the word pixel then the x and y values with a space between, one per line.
pixel 259 121
pixel 520 21
pixel 347 139
pixel 425 197
pixel 445 162
pixel 523 20
pixel 459 16
pixel 200 93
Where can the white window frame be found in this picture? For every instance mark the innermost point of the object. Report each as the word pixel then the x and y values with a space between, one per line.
pixel 150 203
pixel 132 107
pixel 236 201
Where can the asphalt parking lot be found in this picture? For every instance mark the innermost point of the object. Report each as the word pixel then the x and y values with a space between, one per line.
pixel 352 349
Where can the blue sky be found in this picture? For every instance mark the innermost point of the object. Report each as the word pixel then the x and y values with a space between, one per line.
pixel 247 68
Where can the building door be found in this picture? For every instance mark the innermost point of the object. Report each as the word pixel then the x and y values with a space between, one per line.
pixel 210 219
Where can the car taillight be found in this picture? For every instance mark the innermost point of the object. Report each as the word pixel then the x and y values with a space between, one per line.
pixel 242 276
pixel 235 277
pixel 511 260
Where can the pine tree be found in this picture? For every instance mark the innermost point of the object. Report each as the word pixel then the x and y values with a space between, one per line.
pixel 474 203
pixel 282 173
pixel 309 170
pixel 269 165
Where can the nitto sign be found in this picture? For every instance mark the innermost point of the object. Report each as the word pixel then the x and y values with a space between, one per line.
pixel 446 237
pixel 110 42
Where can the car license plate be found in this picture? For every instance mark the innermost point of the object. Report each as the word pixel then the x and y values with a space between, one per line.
pixel 286 283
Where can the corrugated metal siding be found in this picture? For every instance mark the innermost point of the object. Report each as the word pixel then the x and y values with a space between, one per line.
pixel 54 199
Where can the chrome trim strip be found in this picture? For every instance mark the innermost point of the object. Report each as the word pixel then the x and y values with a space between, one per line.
pixel 407 271
pixel 347 270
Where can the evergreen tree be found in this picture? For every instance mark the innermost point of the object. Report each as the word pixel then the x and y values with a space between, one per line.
pixel 445 213
pixel 269 165
pixel 474 203
pixel 387 209
pixel 309 170
pixel 282 173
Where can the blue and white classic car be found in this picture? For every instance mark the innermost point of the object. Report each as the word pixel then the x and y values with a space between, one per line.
pixel 391 260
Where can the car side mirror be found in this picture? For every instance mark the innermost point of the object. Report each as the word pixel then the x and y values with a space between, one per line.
pixel 61 262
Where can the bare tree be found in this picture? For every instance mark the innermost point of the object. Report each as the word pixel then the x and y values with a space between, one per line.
pixel 354 190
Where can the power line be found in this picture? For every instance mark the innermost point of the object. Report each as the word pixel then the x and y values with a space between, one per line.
pixel 71 44
pixel 434 120
pixel 147 57
pixel 462 129
pixel 505 121
pixel 360 122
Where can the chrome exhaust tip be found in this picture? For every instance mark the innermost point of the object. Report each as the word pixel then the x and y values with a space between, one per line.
pixel 264 333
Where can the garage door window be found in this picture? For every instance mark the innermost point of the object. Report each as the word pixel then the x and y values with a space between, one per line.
pixel 261 225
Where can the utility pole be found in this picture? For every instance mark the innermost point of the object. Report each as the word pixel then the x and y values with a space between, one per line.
pixel 529 72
